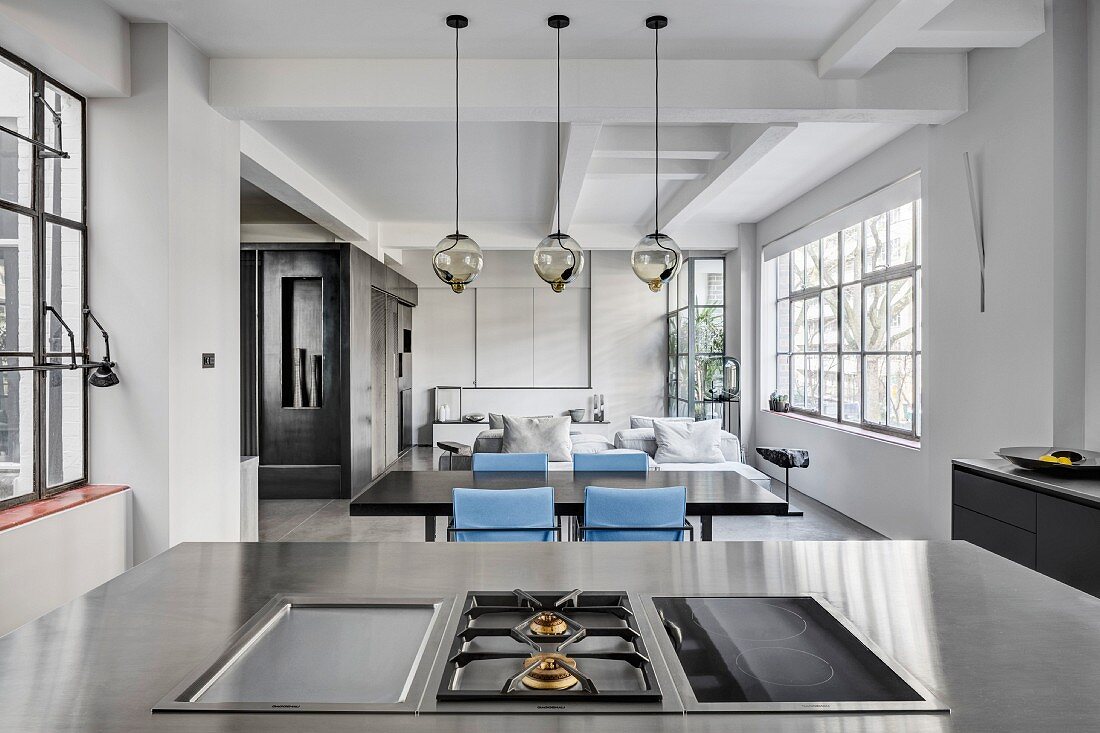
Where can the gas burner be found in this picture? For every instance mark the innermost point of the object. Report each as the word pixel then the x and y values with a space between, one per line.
pixel 549 671
pixel 548 624
pixel 522 646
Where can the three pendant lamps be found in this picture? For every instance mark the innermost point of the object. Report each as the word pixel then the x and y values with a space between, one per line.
pixel 558 259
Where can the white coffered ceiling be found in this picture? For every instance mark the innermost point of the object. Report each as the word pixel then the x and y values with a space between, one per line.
pixel 761 102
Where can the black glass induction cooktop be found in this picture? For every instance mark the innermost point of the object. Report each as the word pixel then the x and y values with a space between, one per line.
pixel 775 649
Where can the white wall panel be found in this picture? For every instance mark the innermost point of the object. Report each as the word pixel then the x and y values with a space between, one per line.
pixel 505 337
pixel 561 334
pixel 49 561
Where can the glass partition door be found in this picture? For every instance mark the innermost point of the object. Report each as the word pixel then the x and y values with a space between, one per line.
pixel 697 339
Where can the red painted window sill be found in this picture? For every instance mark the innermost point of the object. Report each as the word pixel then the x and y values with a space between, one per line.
pixel 32 510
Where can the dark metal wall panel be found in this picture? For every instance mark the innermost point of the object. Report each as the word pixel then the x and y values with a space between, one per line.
pixel 360 385
pixel 288 435
pixel 378 379
pixel 250 355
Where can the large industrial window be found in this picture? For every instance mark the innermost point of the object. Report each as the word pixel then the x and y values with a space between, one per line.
pixel 847 314
pixel 43 428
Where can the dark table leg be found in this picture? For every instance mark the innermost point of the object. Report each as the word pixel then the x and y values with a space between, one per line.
pixel 707 531
pixel 429 528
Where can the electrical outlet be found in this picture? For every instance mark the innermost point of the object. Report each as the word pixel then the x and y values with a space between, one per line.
pixel 207 361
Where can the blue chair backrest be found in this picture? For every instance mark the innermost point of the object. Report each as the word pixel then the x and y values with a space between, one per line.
pixel 480 508
pixel 606 507
pixel 510 462
pixel 617 461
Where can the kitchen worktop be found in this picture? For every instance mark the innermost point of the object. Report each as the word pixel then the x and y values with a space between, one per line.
pixel 1005 648
pixel 1077 489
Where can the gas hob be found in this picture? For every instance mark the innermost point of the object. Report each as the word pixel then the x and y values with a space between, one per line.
pixel 550 651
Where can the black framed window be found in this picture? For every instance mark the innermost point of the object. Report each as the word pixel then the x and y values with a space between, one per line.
pixel 43 252
pixel 848 330
pixel 697 339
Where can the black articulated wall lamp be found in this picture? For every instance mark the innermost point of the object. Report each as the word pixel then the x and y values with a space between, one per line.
pixel 558 258
pixel 656 258
pixel 457 259
pixel 104 374
pixel 102 371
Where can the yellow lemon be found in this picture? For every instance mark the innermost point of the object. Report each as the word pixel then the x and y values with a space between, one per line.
pixel 1050 459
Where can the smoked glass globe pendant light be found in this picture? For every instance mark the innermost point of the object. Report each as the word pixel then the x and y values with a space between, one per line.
pixel 457 259
pixel 656 258
pixel 558 258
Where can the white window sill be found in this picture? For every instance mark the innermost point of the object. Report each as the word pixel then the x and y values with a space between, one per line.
pixel 845 428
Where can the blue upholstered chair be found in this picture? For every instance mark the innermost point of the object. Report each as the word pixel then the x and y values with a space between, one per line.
pixel 635 515
pixel 510 462
pixel 622 460
pixel 503 515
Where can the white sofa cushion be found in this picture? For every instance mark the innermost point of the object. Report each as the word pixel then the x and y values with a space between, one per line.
pixel 688 442
pixel 643 439
pixel 641 421
pixel 490 441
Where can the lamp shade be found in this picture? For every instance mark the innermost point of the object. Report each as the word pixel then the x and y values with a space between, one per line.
pixel 656 259
pixel 559 260
pixel 457 261
pixel 103 376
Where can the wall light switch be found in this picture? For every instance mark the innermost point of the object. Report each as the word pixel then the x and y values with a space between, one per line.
pixel 207 361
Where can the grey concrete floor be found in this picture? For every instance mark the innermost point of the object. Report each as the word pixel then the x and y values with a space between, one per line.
pixel 323 520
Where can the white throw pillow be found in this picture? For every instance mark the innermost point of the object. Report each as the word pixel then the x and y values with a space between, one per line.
pixel 688 442
pixel 640 421
pixel 537 435
pixel 590 443
pixel 637 439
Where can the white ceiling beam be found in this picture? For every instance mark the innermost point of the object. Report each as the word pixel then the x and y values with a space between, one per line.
pixel 267 167
pixel 982 24
pixel 684 143
pixel 578 143
pixel 495 235
pixel 874 35
pixel 670 170
pixel 748 144
pixel 915 89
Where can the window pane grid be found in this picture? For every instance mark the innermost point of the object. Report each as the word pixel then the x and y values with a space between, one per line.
pixel 848 336
pixel 43 414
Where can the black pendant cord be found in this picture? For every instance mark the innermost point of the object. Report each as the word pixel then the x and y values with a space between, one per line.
pixel 456 131
pixel 557 193
pixel 656 133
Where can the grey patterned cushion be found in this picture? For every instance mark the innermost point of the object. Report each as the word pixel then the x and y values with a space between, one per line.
pixel 688 442
pixel 535 435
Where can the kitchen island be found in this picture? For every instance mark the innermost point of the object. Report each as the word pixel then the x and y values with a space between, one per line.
pixel 1005 648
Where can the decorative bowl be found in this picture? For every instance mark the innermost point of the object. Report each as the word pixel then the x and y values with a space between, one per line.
pixel 473 417
pixel 576 415
pixel 1084 462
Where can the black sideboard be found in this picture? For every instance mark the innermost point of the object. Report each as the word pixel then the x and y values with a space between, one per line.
pixel 1049 524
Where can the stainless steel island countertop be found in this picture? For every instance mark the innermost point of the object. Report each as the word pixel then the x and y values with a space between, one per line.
pixel 1005 648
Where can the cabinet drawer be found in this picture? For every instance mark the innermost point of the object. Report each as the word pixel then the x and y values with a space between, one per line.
pixel 1003 539
pixel 994 499
pixel 1068 548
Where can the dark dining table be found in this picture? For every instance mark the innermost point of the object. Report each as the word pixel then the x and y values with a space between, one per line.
pixel 427 494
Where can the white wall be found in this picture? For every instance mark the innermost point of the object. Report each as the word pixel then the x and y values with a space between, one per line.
pixel 164 278
pixel 629 340
pixel 625 323
pixel 990 379
pixel 50 561
pixel 83 43
pixel 1092 257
